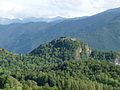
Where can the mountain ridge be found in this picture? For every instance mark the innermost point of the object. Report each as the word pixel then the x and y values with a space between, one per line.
pixel 100 31
pixel 7 21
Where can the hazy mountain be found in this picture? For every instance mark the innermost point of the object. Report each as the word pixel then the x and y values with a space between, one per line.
pixel 101 31
pixel 20 37
pixel 5 21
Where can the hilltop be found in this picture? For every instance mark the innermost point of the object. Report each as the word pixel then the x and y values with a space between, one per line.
pixel 67 48
pixel 63 48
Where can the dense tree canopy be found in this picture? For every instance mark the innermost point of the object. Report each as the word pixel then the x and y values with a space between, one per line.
pixel 55 66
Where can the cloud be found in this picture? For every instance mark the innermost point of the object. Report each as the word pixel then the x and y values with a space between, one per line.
pixel 52 8
pixel 8 9
pixel 86 7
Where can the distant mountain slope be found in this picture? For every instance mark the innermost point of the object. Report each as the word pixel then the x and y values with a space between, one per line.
pixel 101 31
pixel 20 37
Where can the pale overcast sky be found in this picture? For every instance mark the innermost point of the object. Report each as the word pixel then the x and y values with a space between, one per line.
pixel 52 8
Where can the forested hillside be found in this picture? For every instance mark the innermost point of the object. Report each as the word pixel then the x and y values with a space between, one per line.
pixel 62 64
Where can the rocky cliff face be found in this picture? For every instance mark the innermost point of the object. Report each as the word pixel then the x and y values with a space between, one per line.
pixel 82 51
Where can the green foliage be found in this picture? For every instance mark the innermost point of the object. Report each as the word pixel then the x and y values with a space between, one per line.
pixel 63 48
pixel 109 56
pixel 55 66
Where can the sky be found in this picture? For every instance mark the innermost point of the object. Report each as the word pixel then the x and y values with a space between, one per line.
pixel 53 8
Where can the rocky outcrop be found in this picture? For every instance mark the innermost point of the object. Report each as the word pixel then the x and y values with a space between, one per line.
pixel 117 61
